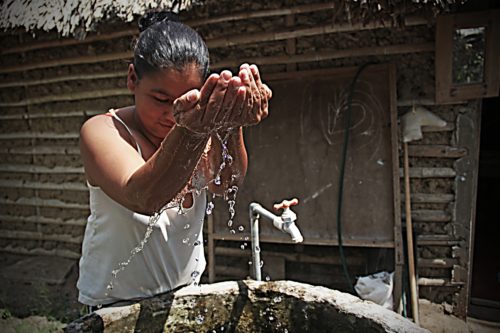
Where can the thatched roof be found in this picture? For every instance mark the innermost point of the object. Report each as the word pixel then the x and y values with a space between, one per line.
pixel 70 17
pixel 76 17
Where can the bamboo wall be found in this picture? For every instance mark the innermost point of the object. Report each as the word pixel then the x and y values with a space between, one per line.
pixel 50 86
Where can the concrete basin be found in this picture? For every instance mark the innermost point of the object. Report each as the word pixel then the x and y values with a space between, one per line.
pixel 247 306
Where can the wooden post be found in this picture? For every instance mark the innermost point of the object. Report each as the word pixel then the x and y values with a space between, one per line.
pixel 409 239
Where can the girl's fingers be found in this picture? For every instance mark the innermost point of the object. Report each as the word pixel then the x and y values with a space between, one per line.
pixel 216 98
pixel 229 100
pixel 206 92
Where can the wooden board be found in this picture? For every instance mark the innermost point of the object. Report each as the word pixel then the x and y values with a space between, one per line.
pixel 296 152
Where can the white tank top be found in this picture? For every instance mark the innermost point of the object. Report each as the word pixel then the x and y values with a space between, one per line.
pixel 112 231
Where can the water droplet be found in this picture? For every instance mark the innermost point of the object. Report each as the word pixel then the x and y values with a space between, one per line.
pixel 247 238
pixel 242 246
pixel 197 243
pixel 185 240
pixel 210 207
pixel 241 228
pixel 186 226
pixel 261 263
pixel 199 319
pixel 222 328
pixel 230 223
pixel 195 274
pixel 217 180
pixel 232 231
pixel 257 249
pixel 271 318
pixel 277 299
pixel 285 330
pixel 250 262
pixel 268 278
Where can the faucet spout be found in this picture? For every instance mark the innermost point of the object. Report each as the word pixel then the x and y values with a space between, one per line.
pixel 285 223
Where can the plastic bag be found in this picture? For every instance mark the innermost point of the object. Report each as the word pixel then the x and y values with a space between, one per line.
pixel 376 288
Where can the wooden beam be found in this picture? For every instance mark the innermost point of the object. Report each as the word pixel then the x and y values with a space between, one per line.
pixel 39 251
pixel 42 115
pixel 292 33
pixel 309 241
pixel 94 94
pixel 437 262
pixel 430 197
pixel 43 220
pixel 416 172
pixel 41 150
pixel 63 78
pixel 436 282
pixel 29 168
pixel 69 41
pixel 329 55
pixel 30 235
pixel 15 183
pixel 439 151
pixel 330 259
pixel 425 215
pixel 39 135
pixel 262 13
pixel 44 203
pixel 436 240
pixel 68 61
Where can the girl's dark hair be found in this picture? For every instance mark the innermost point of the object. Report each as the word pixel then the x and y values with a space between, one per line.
pixel 165 42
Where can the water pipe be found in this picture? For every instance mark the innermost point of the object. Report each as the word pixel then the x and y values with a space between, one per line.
pixel 285 223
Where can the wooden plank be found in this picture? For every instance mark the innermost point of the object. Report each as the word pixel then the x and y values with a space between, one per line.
pixel 60 42
pixel 74 96
pixel 418 172
pixel 428 215
pixel 291 33
pixel 396 189
pixel 29 168
pixel 439 151
pixel 46 203
pixel 14 183
pixel 309 241
pixel 42 115
pixel 330 259
pixel 468 134
pixel 437 262
pixel 436 240
pixel 41 150
pixel 329 55
pixel 63 78
pixel 449 127
pixel 39 135
pixel 435 282
pixel 430 197
pixel 261 13
pixel 30 235
pixel 68 61
pixel 40 251
pixel 43 220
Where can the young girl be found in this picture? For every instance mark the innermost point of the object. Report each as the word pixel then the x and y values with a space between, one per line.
pixel 140 158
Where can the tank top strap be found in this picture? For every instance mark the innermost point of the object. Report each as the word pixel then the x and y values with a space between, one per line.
pixel 113 113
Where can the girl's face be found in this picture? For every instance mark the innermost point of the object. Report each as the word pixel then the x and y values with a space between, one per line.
pixel 155 94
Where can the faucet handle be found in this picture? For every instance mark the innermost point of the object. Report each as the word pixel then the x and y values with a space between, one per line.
pixel 286 204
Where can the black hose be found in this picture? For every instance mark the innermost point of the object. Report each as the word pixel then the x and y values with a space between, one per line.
pixel 342 174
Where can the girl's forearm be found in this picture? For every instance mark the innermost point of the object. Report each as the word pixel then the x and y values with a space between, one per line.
pixel 167 172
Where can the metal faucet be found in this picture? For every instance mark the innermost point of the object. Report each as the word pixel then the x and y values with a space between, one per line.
pixel 285 223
